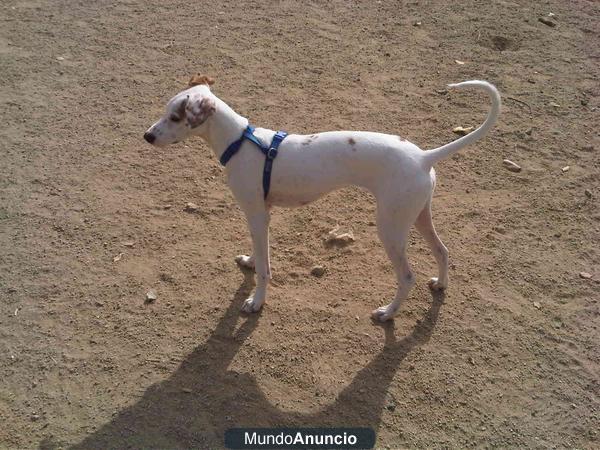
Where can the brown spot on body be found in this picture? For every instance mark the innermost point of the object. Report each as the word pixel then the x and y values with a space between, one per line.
pixel 309 140
pixel 351 141
pixel 200 79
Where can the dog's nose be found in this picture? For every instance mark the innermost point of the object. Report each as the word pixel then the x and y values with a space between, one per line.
pixel 149 137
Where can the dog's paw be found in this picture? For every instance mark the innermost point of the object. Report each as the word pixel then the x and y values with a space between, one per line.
pixel 436 285
pixel 383 314
pixel 245 262
pixel 251 305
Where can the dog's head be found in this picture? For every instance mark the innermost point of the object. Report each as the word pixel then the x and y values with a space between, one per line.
pixel 187 114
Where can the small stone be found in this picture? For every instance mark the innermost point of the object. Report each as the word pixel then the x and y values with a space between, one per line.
pixel 513 167
pixel 187 391
pixel 554 105
pixel 500 229
pixel 528 131
pixel 35 417
pixel 588 193
pixel 471 361
pixel 585 275
pixel 460 63
pixel 537 305
pixel 565 169
pixel 167 206
pixel 547 21
pixel 463 131
pixel 99 303
pixel 318 271
pixel 151 296
pixel 418 23
pixel 118 257
pixel 128 244
pixel 60 58
pixel 335 238
pixel 191 207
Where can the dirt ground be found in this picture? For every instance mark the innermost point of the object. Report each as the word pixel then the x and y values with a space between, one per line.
pixel 508 357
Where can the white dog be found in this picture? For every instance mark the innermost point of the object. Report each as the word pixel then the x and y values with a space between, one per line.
pixel 397 172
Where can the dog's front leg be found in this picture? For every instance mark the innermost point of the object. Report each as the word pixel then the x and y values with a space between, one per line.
pixel 258 223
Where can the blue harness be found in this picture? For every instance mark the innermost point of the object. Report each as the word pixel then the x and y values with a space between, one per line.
pixel 270 152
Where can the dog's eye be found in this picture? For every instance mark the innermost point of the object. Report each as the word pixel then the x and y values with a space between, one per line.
pixel 175 118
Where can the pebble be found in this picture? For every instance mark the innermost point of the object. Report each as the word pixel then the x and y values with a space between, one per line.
pixel 151 296
pixel 566 169
pixel 129 244
pixel 417 23
pixel 35 417
pixel 547 21
pixel 585 275
pixel 513 167
pixel 191 207
pixel 334 237
pixel 588 193
pixel 500 229
pixel 537 305
pixel 463 131
pixel 318 271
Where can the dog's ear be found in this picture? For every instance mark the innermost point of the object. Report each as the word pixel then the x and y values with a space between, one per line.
pixel 199 109
pixel 200 79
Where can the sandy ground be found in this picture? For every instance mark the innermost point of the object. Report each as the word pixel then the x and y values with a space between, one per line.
pixel 507 357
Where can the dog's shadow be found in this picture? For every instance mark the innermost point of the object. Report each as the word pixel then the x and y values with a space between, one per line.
pixel 195 405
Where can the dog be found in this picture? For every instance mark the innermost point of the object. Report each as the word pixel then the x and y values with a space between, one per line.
pixel 398 173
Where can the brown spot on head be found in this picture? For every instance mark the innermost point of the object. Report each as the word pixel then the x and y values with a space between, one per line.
pixel 200 79
pixel 351 141
pixel 401 139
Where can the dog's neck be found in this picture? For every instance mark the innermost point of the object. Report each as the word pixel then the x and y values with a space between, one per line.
pixel 226 126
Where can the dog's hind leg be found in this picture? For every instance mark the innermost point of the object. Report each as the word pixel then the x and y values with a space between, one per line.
pixel 394 237
pixel 258 223
pixel 424 225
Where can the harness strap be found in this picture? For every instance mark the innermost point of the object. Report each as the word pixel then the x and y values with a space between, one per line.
pixel 269 152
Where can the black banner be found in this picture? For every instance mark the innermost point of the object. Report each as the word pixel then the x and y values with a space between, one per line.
pixel 299 438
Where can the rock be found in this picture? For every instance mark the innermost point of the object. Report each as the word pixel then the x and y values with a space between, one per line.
pixel 187 391
pixel 459 62
pixel 318 271
pixel 547 21
pixel 60 58
pixel 118 257
pixel 34 417
pixel 588 193
pixel 537 305
pixel 335 238
pixel 128 244
pixel 554 105
pixel 565 169
pixel 418 23
pixel 463 131
pixel 151 296
pixel 513 167
pixel 191 207
pixel 585 275
pixel 99 303
pixel 500 229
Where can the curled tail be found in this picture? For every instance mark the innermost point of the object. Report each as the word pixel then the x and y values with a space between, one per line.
pixel 431 157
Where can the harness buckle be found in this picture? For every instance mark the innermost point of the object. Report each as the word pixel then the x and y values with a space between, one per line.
pixel 271 153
